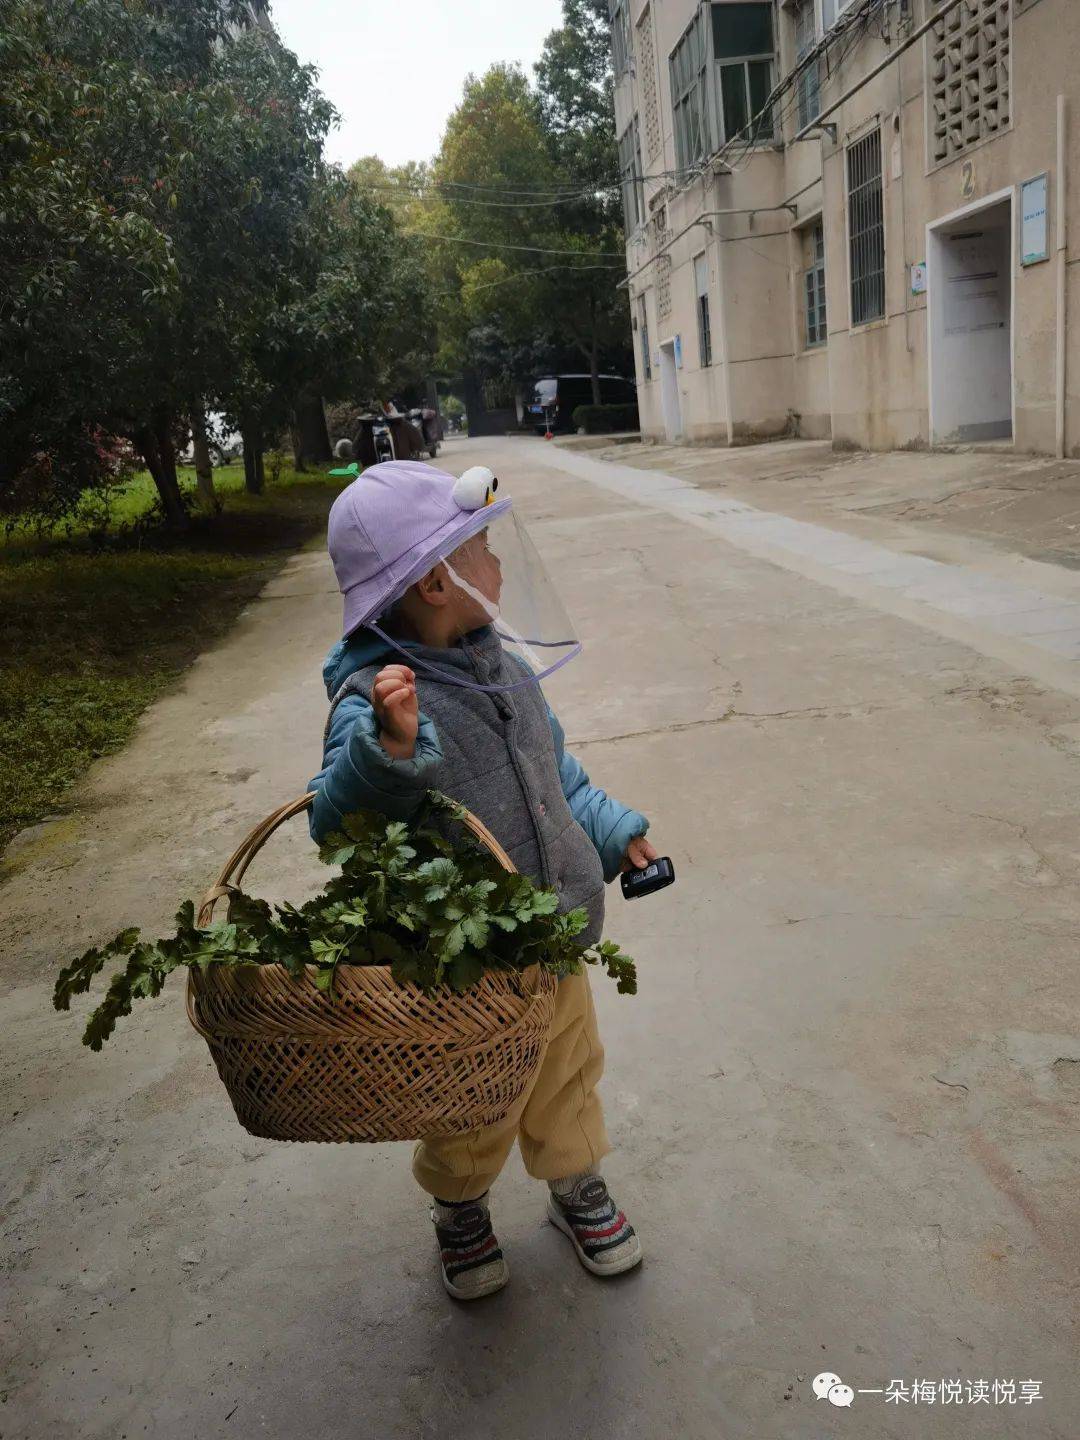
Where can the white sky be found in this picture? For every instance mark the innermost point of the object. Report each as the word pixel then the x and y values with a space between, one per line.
pixel 396 71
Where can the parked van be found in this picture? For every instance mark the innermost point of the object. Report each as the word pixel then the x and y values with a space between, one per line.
pixel 556 397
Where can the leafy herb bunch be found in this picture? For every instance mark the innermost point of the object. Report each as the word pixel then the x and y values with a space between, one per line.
pixel 437 913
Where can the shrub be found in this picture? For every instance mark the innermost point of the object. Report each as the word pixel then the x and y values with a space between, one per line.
pixel 605 419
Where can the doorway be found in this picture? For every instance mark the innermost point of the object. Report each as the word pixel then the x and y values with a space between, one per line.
pixel 669 391
pixel 970 260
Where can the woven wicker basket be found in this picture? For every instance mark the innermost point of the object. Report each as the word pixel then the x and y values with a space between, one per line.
pixel 377 1060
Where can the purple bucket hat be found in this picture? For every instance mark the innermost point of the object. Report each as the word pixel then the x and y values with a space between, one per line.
pixel 391 525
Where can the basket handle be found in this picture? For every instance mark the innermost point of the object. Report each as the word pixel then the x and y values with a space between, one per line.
pixel 235 868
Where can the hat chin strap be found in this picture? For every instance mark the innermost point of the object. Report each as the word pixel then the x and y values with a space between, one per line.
pixel 495 616
pixel 449 678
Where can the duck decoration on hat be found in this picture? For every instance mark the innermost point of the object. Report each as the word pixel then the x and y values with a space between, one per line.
pixel 476 488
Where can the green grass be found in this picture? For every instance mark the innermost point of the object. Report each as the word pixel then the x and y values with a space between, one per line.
pixel 94 625
pixel 107 515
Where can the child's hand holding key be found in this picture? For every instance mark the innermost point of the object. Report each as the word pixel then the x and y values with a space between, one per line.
pixel 639 854
pixel 644 869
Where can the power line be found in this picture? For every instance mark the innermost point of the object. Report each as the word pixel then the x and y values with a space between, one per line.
pixel 573 192
pixel 894 55
pixel 533 249
pixel 748 137
pixel 582 187
pixel 569 199
pixel 527 274
pixel 544 270
pixel 570 187
pixel 788 84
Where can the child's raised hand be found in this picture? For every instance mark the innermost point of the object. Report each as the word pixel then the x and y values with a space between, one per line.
pixel 393 698
pixel 639 854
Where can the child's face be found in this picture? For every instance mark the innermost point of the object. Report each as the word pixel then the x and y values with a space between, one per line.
pixel 479 567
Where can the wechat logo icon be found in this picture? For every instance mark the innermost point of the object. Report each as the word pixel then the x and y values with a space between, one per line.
pixel 828 1386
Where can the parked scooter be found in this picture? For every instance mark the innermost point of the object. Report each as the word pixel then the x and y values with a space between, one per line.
pixel 374 440
pixel 385 433
pixel 426 421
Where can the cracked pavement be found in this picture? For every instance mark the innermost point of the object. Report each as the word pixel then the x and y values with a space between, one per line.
pixel 844 1103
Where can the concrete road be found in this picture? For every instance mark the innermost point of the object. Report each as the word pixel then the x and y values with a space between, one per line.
pixel 845 1101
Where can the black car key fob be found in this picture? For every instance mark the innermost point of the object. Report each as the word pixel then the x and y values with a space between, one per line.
pixel 636 883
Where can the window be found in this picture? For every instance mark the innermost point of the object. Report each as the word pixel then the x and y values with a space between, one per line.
pixel 814 285
pixel 968 90
pixel 620 35
pixel 630 173
pixel 721 96
pixel 688 67
pixel 866 228
pixel 831 10
pixel 744 50
pixel 643 335
pixel 704 329
pixel 809 84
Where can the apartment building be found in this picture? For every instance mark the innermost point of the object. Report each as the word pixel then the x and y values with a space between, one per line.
pixel 853 218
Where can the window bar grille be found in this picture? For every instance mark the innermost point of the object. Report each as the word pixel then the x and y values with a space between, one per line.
pixel 866 220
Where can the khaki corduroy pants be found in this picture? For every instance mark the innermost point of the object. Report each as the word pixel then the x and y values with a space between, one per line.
pixel 559 1123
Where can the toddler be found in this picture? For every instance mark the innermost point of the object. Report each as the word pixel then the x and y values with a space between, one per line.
pixel 450 625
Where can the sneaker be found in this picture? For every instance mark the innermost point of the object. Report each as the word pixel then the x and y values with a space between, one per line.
pixel 604 1239
pixel 470 1259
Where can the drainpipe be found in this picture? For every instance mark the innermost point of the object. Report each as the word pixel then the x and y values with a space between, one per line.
pixel 903 205
pixel 722 287
pixel 1062 270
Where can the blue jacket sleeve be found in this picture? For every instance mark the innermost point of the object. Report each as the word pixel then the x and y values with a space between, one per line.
pixel 358 774
pixel 609 825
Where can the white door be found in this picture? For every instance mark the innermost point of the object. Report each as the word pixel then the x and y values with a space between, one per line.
pixel 669 391
pixel 971 392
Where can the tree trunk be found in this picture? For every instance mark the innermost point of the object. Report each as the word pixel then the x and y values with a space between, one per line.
pixel 162 467
pixel 204 466
pixel 474 401
pixel 174 506
pixel 314 436
pixel 297 451
pixel 254 476
pixel 594 364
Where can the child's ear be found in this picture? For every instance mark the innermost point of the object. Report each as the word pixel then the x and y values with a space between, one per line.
pixel 432 587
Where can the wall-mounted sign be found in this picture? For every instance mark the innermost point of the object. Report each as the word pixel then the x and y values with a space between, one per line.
pixel 1034 226
pixel 678 352
pixel 967 179
pixel 918 278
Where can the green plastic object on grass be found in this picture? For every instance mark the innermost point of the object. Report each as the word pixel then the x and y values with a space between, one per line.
pixel 351 470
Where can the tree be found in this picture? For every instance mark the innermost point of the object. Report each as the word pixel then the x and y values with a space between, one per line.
pixel 86 272
pixel 353 313
pixel 507 309
pixel 575 87
pixel 150 125
pixel 493 145
pixel 576 95
pixel 399 187
pixel 172 239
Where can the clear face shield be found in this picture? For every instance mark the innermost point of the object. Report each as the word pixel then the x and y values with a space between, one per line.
pixel 497 578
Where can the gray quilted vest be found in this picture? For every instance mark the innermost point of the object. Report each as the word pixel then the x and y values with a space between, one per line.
pixel 499 762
